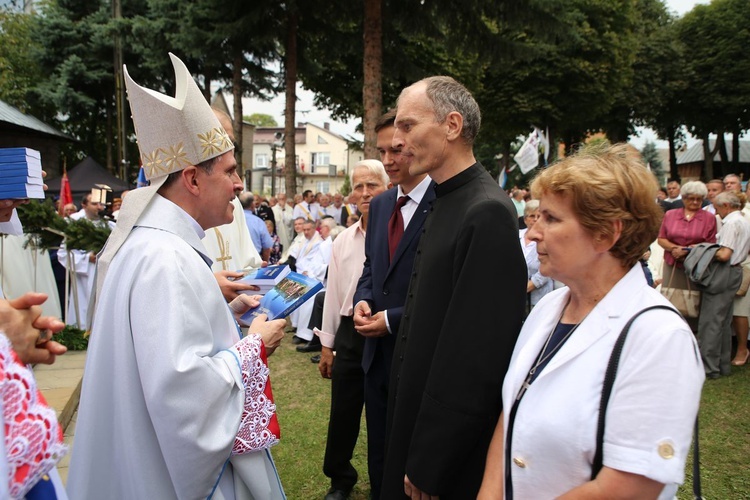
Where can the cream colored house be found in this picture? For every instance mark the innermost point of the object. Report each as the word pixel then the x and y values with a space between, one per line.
pixel 323 158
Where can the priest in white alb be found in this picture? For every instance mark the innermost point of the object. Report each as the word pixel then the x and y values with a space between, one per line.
pixel 230 246
pixel 174 403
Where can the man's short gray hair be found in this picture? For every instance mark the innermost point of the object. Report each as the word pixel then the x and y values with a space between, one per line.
pixel 729 199
pixel 448 95
pixel 694 188
pixel 247 199
pixel 373 166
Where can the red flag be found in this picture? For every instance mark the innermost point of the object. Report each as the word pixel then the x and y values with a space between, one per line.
pixel 66 196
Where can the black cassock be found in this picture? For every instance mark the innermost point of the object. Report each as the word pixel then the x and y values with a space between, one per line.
pixel 463 313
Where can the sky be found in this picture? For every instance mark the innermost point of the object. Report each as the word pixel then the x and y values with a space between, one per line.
pixel 306 112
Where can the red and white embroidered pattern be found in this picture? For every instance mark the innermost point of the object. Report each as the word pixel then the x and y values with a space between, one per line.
pixel 259 427
pixel 33 438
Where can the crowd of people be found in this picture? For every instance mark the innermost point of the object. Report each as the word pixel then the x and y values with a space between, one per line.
pixel 474 326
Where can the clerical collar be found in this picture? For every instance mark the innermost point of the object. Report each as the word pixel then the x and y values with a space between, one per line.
pixel 418 192
pixel 459 180
pixel 193 223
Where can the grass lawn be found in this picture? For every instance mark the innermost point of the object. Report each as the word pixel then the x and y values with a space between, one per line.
pixel 303 400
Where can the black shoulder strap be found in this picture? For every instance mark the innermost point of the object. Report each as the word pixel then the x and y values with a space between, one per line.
pixel 609 381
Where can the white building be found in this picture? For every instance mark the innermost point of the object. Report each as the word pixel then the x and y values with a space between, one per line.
pixel 323 158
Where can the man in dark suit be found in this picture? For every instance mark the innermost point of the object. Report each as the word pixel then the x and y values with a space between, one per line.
pixel 381 291
pixel 463 309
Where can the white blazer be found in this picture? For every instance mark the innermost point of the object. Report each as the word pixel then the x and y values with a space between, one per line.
pixel 651 411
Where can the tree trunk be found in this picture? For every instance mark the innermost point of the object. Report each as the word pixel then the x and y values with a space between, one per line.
pixel 552 157
pixel 290 80
pixel 721 143
pixel 735 149
pixel 110 163
pixel 237 122
pixel 674 172
pixel 708 158
pixel 372 88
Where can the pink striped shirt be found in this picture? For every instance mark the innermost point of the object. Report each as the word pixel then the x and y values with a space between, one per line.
pixel 679 230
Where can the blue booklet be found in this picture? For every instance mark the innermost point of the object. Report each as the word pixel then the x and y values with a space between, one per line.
pixel 20 173
pixel 19 153
pixel 21 192
pixel 290 293
pixel 264 278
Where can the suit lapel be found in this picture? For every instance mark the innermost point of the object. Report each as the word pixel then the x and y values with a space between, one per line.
pixel 415 225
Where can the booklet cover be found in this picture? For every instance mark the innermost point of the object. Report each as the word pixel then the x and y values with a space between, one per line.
pixel 290 293
pixel 264 278
pixel 19 152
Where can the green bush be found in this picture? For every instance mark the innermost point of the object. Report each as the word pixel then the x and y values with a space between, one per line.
pixel 73 338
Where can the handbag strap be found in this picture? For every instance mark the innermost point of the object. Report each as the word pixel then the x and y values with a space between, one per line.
pixel 609 381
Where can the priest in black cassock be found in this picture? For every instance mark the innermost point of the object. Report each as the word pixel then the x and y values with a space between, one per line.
pixel 463 310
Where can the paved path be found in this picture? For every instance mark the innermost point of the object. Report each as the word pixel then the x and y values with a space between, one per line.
pixel 61 385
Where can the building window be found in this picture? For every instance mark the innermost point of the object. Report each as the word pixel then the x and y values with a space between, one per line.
pixel 320 162
pixel 321 140
pixel 322 187
pixel 261 161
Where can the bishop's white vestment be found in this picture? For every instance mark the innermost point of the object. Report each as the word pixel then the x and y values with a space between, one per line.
pixel 173 404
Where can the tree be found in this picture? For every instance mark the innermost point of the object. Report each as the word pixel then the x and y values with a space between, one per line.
pixel 261 120
pixel 651 158
pixel 19 70
pixel 716 40
pixel 76 46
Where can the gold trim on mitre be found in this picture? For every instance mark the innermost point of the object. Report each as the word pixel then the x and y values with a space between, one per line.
pixel 174 132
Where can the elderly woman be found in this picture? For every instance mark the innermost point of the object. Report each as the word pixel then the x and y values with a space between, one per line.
pixel 597 217
pixel 538 285
pixel 682 229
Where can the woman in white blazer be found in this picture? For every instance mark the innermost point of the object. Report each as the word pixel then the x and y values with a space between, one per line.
pixel 597 219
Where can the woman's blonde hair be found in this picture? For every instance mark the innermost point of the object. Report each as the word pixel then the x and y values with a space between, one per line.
pixel 605 184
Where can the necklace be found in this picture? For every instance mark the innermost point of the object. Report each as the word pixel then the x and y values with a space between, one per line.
pixel 544 355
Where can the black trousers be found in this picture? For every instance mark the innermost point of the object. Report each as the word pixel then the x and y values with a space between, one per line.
pixel 347 400
pixel 376 408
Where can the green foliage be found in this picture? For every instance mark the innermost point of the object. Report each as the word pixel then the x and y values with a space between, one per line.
pixel 19 70
pixel 651 157
pixel 73 338
pixel 346 186
pixel 82 234
pixel 261 120
pixel 716 40
pixel 36 217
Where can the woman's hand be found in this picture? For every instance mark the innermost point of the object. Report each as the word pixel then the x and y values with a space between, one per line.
pixel 678 253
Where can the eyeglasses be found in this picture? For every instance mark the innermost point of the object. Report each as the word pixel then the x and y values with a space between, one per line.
pixel 698 199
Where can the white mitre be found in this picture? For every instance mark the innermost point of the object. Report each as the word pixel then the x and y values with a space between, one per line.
pixel 172 133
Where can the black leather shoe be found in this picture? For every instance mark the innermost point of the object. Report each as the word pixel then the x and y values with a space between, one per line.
pixel 336 495
pixel 310 347
pixel 315 359
pixel 298 340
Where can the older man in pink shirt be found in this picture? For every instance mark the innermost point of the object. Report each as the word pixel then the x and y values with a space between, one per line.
pixel 368 180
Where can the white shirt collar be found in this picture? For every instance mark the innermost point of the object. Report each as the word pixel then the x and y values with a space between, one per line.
pixel 418 192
